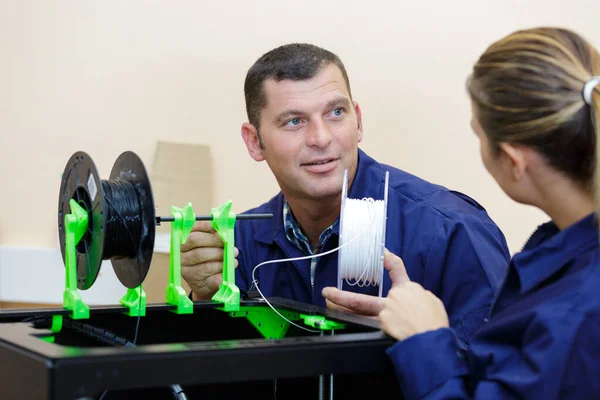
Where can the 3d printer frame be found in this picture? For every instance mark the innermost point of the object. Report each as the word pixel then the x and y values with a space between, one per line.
pixel 220 345
pixel 206 347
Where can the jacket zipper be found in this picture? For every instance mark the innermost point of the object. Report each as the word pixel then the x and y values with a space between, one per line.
pixel 306 281
pixel 314 273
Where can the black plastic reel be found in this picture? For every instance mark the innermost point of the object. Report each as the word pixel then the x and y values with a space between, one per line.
pixel 130 168
pixel 82 182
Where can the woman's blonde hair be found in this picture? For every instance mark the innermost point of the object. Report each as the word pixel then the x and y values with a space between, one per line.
pixel 528 89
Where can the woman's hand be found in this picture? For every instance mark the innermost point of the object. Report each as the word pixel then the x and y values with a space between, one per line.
pixel 409 309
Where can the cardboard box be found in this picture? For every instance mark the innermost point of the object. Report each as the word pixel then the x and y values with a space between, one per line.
pixel 180 173
pixel 155 284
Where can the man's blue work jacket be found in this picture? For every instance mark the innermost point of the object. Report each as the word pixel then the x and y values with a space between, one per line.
pixel 447 241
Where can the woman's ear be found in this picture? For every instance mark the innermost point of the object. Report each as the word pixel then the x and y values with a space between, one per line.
pixel 515 160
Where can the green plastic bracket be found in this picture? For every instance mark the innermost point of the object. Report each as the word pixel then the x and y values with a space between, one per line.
pixel 135 300
pixel 180 230
pixel 319 322
pixel 223 220
pixel 56 325
pixel 76 224
pixel 49 339
pixel 266 321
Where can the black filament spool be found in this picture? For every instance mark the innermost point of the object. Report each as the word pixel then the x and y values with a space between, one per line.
pixel 132 271
pixel 121 218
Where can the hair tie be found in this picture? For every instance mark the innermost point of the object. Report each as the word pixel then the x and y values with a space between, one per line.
pixel 588 88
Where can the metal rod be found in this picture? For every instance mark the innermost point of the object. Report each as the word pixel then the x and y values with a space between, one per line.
pixel 331 377
pixel 321 382
pixel 209 217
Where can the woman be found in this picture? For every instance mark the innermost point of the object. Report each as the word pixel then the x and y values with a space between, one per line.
pixel 536 111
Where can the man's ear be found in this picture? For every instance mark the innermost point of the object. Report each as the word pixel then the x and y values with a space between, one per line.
pixel 516 160
pixel 359 119
pixel 253 142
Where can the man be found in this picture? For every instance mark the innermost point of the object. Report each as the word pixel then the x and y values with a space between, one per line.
pixel 304 123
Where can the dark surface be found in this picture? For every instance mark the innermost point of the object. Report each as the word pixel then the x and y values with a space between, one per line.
pixel 210 354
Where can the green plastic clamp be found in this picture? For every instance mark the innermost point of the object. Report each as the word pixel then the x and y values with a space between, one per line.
pixel 135 301
pixel 55 327
pixel 76 224
pixel 266 321
pixel 223 220
pixel 57 321
pixel 319 322
pixel 180 230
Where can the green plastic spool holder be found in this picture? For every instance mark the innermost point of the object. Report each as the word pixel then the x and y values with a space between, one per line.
pixel 76 225
pixel 135 301
pixel 184 219
pixel 223 220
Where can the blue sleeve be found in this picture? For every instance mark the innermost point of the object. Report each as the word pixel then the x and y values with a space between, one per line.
pixel 550 363
pixel 436 364
pixel 581 378
pixel 465 266
pixel 441 370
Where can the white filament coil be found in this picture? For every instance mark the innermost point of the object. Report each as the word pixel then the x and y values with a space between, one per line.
pixel 361 244
pixel 361 261
pixel 362 239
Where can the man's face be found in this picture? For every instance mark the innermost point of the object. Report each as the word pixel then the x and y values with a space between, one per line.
pixel 310 132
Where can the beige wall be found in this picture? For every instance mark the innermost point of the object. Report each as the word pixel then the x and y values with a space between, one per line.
pixel 110 76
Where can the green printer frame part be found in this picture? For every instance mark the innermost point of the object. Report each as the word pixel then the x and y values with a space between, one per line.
pixel 264 319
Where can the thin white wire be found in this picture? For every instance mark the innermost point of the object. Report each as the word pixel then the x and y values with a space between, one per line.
pixel 255 282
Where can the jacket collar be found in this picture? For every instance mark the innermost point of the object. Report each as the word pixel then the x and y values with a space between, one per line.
pixel 549 250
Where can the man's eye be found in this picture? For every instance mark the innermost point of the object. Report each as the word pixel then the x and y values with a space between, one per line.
pixel 338 112
pixel 294 122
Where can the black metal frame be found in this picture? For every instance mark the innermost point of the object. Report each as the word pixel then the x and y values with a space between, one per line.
pixel 191 355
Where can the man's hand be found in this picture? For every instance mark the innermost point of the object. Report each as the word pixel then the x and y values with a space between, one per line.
pixel 363 304
pixel 202 260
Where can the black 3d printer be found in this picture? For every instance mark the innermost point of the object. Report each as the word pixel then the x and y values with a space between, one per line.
pixel 225 348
